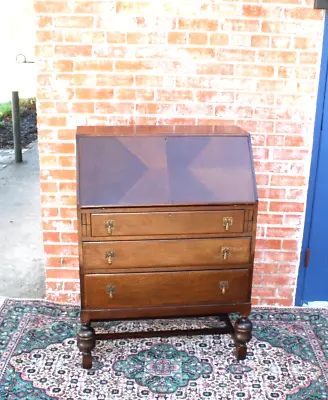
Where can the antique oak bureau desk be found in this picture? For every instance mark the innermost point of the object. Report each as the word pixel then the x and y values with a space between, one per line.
pixel 167 224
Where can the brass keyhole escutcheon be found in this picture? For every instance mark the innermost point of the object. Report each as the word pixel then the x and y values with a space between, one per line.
pixel 110 255
pixel 225 251
pixel 110 289
pixel 109 225
pixel 223 285
pixel 227 223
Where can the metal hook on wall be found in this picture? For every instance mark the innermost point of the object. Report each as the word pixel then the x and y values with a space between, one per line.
pixel 21 59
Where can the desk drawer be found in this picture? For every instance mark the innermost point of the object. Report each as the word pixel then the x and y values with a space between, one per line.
pixel 165 289
pixel 127 254
pixel 167 223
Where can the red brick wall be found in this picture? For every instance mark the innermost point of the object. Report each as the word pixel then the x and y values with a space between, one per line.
pixel 183 62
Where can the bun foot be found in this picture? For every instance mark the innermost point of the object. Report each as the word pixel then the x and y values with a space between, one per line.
pixel 86 341
pixel 242 335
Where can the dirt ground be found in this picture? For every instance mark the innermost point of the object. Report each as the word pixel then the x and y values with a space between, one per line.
pixel 28 129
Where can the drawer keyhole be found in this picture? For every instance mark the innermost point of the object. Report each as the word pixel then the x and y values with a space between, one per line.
pixel 109 225
pixel 110 289
pixel 225 251
pixel 110 255
pixel 227 223
pixel 224 287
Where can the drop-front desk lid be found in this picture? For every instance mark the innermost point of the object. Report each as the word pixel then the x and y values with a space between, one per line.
pixel 153 165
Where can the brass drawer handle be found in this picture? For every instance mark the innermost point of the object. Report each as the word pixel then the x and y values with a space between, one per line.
pixel 224 287
pixel 109 225
pixel 227 223
pixel 225 251
pixel 110 289
pixel 110 255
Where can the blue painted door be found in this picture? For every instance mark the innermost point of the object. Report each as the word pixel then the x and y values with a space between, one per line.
pixel 313 272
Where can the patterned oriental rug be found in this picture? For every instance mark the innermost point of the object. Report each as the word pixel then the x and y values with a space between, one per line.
pixel 287 358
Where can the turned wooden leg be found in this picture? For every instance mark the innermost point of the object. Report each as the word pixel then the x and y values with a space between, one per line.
pixel 86 341
pixel 242 335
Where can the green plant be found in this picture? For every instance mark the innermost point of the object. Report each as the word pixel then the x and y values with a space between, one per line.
pixel 5 110
pixel 2 124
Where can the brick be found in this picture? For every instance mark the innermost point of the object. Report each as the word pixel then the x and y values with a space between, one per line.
pixel 215 69
pixel 202 38
pixel 279 280
pixel 44 21
pixel 287 269
pixel 63 174
pixel 83 107
pixel 134 94
pixel 173 95
pixel 263 292
pixel 282 232
pixel 177 38
pixel 284 57
pixel 66 212
pixel 155 108
pixel 63 297
pixel 73 50
pixel 294 72
pixel 73 286
pixel 285 292
pixel 131 66
pixel 286 206
pixel 295 194
pixel 116 37
pixel 256 11
pixel 49 237
pixel 74 21
pixel 49 212
pixel 60 273
pixel 59 261
pixel 290 244
pixel 307 43
pixel 110 51
pixel 285 180
pixel 235 55
pixel 61 249
pixel 287 154
pixel 268 244
pixel 146 38
pixel 48 187
pixel 256 126
pixel 149 80
pixel 266 268
pixel 269 219
pixel 195 109
pixel 69 237
pixel 42 50
pixel 294 220
pixel 114 108
pixel 92 65
pixel 114 80
pixel 303 13
pixel 254 70
pixel 47 161
pixel 241 25
pixel 309 57
pixel 50 7
pixel 281 42
pixel 214 96
pixel 216 39
pixel 93 7
pixel 94 94
pixel 51 121
pixel 260 41
pixel 63 65
pixel 49 36
pixel 57 225
pixel 226 111
pixel 134 7
pixel 198 24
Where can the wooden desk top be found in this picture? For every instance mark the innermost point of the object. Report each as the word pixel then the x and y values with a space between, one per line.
pixel 164 165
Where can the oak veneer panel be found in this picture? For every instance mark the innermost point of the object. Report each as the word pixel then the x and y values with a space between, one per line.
pixel 165 253
pixel 164 170
pixel 166 223
pixel 165 289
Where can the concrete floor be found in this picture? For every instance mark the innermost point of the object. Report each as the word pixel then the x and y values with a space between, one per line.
pixel 21 249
